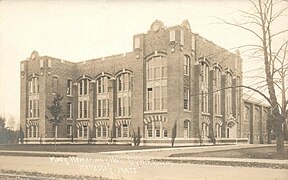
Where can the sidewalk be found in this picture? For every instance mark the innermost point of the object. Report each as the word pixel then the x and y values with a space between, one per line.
pixel 268 161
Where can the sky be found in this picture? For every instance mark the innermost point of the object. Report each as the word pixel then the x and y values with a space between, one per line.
pixel 82 30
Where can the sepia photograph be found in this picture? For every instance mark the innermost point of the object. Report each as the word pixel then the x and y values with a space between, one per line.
pixel 144 90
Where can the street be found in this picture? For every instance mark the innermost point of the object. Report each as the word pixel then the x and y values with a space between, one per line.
pixel 134 167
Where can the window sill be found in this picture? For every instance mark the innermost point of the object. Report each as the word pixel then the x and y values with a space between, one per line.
pixel 123 117
pixel 102 118
pixel 68 95
pixel 83 119
pixel 205 114
pixel 186 110
pixel 219 115
pixel 152 112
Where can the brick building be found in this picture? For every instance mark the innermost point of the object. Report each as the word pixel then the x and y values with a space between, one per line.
pixel 256 125
pixel 166 82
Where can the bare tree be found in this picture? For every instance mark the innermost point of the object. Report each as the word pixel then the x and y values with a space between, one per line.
pixel 10 123
pixel 261 22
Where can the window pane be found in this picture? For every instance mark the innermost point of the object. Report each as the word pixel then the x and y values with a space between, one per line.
pixel 104 108
pixel 80 110
pixel 165 133
pixel 85 109
pixel 99 131
pixel 104 131
pixel 125 130
pixel 85 86
pixel 34 131
pixel 69 87
pixel 119 107
pixel 119 132
pixel 85 131
pixel 80 85
pixel 150 99
pixel 157 132
pixel 54 85
pixel 99 108
pixel 99 85
pixel 80 131
pixel 69 128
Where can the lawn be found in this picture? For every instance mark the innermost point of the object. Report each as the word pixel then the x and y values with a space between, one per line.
pixel 87 148
pixel 250 153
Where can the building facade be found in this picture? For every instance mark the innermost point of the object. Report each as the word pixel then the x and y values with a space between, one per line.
pixel 256 125
pixel 173 78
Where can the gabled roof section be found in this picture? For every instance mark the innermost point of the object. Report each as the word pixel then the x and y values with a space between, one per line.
pixel 250 99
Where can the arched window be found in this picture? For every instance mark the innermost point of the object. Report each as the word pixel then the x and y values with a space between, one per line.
pixel 124 85
pixel 155 127
pixel 156 93
pixel 102 97
pixel 83 87
pixel 186 129
pixel 34 85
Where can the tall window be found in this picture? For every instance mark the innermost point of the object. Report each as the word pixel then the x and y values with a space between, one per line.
pixel 102 97
pixel 102 85
pixel 204 86
pixel 186 99
pixel 156 92
pixel 186 128
pixel 34 85
pixel 246 113
pixel 33 131
pixel 217 130
pixel 83 87
pixel 83 98
pixel 69 110
pixel 229 93
pixel 257 114
pixel 83 132
pixel 102 131
pixel 33 107
pixel 54 84
pixel 83 109
pixel 69 130
pixel 186 65
pixel 69 87
pixel 217 94
pixel 124 86
pixel 103 108
pixel 205 129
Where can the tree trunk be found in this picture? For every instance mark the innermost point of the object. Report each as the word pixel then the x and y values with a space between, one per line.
pixel 279 136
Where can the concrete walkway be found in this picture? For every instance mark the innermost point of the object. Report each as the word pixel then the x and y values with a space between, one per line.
pixel 137 164
pixel 163 153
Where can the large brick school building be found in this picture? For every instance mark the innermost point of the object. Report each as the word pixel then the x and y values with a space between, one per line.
pixel 173 79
